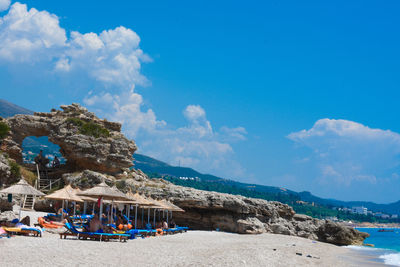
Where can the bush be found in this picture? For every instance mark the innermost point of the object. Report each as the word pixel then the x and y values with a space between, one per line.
pixel 89 128
pixel 15 170
pixel 76 121
pixel 4 129
pixel 94 129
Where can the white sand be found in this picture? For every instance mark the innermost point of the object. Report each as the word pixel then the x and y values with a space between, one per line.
pixel 195 248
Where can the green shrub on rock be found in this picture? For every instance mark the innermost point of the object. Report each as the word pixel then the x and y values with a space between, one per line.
pixel 4 129
pixel 89 128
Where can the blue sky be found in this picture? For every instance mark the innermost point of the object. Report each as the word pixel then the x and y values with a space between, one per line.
pixel 225 87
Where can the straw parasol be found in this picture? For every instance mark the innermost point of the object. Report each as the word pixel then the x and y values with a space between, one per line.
pixel 171 206
pixel 22 188
pixel 103 191
pixel 67 193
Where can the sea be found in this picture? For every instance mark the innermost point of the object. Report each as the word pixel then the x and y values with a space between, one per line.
pixel 386 245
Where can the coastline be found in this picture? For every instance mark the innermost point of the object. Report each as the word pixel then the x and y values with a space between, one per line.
pixel 200 248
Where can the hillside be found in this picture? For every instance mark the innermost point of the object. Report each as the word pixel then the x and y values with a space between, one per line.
pixel 155 167
pixel 8 109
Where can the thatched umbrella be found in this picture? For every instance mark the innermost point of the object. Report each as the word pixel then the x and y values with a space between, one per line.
pixel 22 188
pixel 171 207
pixel 67 193
pixel 102 191
pixel 156 205
pixel 141 202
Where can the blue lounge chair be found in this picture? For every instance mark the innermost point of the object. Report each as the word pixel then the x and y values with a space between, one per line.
pixel 72 231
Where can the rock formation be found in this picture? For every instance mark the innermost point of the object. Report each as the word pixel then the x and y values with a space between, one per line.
pixel 206 210
pixel 86 141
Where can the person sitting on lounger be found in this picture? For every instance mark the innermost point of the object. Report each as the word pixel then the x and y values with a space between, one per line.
pixel 95 224
pixel 164 225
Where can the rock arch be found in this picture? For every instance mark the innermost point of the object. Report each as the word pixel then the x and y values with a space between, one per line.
pixel 110 153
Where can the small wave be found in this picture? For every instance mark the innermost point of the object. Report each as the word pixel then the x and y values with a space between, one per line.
pixel 391 259
pixel 363 248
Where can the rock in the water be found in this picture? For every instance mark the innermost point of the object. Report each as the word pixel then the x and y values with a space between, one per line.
pixel 86 141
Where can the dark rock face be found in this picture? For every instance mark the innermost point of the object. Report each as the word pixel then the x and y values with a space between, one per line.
pixel 232 213
pixel 104 154
pixel 334 233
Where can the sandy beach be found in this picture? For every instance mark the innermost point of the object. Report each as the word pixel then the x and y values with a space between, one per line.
pixel 194 248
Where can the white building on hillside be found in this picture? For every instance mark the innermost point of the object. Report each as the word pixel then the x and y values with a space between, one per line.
pixel 359 210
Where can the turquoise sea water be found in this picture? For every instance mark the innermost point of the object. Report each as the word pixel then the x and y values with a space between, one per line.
pixel 387 245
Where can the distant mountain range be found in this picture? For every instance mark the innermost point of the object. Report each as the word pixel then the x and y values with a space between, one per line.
pixel 153 166
pixel 8 109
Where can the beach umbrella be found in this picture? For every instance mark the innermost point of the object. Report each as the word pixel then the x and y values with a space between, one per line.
pixel 22 188
pixel 141 201
pixel 171 206
pixel 103 192
pixel 65 194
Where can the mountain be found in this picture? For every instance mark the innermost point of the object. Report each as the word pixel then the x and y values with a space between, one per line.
pixel 150 165
pixel 154 167
pixel 8 109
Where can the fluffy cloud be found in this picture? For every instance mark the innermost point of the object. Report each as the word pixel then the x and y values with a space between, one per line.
pixel 110 63
pixel 194 145
pixel 348 152
pixel 4 4
pixel 31 36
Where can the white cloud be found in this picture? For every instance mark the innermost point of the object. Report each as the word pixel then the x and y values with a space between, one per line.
pixel 194 112
pixel 194 145
pixel 31 36
pixel 4 4
pixel 348 152
pixel 110 63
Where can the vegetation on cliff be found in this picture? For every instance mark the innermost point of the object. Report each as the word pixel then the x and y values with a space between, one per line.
pixel 4 129
pixel 89 128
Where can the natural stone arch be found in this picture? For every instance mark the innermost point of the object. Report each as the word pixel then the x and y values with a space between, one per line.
pixel 73 129
pixel 32 145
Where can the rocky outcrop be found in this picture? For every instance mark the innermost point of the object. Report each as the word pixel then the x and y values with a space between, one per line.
pixel 232 213
pixel 5 170
pixel 86 141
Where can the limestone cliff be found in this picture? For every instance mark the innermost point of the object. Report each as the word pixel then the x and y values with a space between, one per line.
pixel 232 213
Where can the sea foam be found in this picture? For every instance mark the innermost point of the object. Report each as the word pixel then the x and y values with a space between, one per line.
pixel 391 259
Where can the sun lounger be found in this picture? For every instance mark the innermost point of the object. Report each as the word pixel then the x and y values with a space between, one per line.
pixel 72 231
pixel 23 230
pixel 42 223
